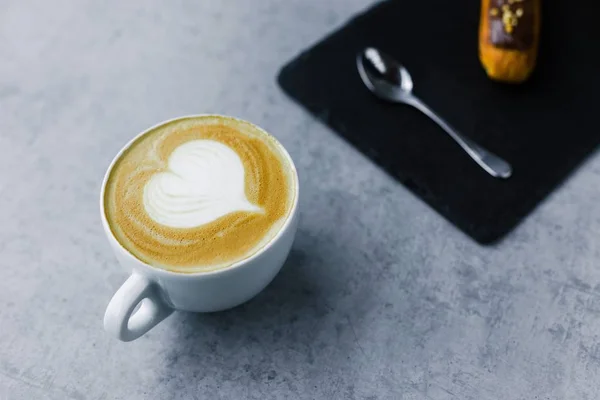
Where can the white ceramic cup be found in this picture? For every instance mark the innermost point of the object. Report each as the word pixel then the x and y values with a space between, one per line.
pixel 159 292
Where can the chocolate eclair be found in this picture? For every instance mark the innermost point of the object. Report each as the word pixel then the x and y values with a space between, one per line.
pixel 509 33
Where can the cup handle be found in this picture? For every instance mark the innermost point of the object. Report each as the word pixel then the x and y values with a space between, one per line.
pixel 120 320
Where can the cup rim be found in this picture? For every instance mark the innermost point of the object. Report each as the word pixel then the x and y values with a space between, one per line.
pixel 236 265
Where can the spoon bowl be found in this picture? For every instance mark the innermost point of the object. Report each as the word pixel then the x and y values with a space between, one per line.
pixel 383 74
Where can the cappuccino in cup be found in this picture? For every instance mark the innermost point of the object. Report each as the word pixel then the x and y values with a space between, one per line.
pixel 199 194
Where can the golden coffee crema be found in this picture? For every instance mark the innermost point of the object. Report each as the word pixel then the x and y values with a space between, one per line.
pixel 171 197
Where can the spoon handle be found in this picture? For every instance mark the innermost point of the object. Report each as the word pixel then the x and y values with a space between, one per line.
pixel 490 162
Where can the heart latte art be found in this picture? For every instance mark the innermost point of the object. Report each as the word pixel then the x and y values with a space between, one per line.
pixel 204 181
pixel 198 194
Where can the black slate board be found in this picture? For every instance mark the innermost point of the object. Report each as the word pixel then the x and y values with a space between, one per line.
pixel 544 128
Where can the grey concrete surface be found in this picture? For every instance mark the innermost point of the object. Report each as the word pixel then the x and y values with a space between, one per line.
pixel 380 299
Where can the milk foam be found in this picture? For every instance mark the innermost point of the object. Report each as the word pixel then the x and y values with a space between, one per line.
pixel 204 181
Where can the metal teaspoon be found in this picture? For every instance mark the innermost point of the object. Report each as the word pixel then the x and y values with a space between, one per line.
pixel 389 80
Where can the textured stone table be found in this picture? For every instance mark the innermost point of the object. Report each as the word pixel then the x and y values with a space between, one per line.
pixel 380 299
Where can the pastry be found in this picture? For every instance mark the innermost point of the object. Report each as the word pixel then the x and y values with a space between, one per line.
pixel 509 33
